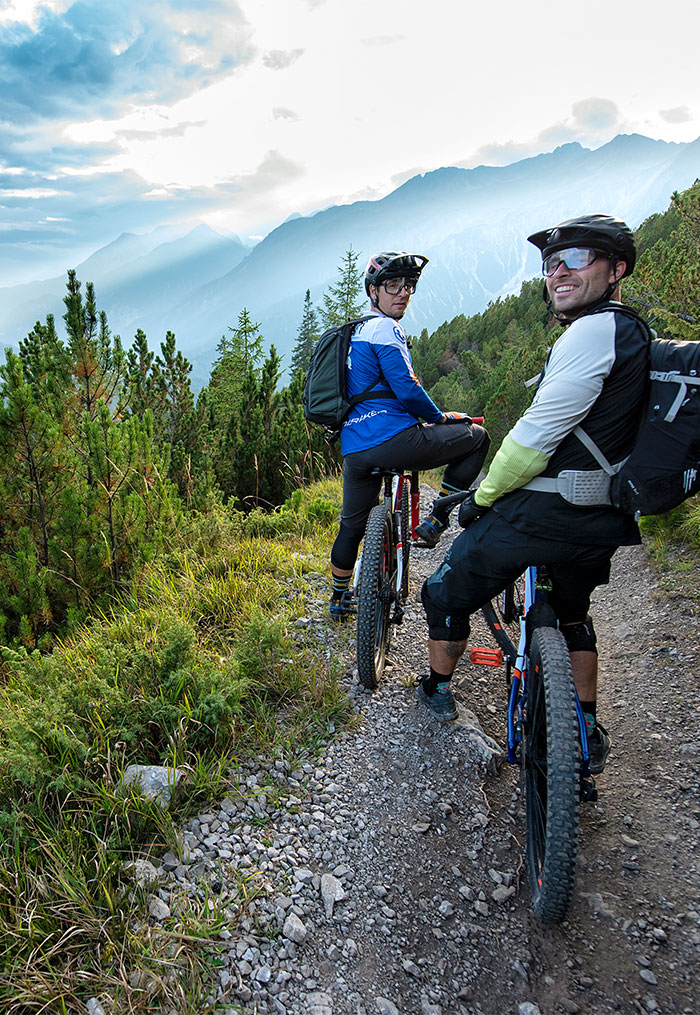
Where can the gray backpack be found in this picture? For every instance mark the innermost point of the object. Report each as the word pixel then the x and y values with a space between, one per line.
pixel 325 398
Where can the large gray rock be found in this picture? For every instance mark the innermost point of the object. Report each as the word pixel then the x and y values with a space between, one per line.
pixel 154 782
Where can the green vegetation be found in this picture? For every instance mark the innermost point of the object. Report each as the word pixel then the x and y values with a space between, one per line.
pixel 200 667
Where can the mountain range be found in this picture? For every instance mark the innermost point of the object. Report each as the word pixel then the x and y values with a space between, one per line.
pixel 471 223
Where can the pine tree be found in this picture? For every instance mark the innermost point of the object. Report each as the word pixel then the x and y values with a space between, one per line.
pixel 307 337
pixel 99 361
pixel 343 299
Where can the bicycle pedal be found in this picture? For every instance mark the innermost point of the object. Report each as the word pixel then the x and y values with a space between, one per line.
pixel 485 656
pixel 588 792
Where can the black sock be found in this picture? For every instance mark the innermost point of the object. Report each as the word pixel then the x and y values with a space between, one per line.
pixel 430 683
pixel 340 585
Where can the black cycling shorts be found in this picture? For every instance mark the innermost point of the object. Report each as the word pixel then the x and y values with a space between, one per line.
pixel 462 447
pixel 491 554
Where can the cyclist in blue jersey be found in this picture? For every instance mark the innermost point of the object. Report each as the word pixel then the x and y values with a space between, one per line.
pixel 388 433
pixel 545 499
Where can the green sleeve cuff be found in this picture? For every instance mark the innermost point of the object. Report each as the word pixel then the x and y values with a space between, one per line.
pixel 512 467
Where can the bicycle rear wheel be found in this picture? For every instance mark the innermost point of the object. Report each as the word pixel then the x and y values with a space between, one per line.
pixel 503 615
pixel 377 594
pixel 551 774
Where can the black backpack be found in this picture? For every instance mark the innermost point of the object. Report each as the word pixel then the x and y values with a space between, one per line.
pixel 664 466
pixel 325 398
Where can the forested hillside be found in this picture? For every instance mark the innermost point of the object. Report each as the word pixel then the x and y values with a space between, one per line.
pixel 105 449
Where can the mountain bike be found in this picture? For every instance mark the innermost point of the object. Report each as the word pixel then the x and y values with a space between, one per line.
pixel 380 581
pixel 546 736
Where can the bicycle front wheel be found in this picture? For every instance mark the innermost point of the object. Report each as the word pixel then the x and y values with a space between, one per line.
pixel 377 593
pixel 551 773
pixel 503 618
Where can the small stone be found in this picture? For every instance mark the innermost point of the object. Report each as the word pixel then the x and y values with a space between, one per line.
pixel 94 1007
pixel 502 893
pixel 319 1003
pixel 569 1006
pixel 332 891
pixel 263 974
pixel 627 841
pixel 528 1008
pixel 481 908
pixel 386 1007
pixel 648 977
pixel 421 827
pixel 411 968
pixel 158 909
pixel 143 872
pixel 446 909
pixel 294 929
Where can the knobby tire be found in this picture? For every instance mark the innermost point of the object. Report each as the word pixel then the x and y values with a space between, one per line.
pixel 551 775
pixel 377 593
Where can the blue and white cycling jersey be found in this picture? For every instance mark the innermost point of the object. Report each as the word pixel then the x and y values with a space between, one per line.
pixel 378 349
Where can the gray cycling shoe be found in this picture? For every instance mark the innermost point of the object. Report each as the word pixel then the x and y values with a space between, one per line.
pixel 598 748
pixel 441 704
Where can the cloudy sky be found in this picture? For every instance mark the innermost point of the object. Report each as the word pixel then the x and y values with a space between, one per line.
pixel 121 115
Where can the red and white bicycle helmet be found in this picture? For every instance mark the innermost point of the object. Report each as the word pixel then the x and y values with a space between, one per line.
pixel 393 264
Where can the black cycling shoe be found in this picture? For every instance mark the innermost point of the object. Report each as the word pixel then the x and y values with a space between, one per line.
pixel 430 530
pixel 441 704
pixel 598 748
pixel 342 606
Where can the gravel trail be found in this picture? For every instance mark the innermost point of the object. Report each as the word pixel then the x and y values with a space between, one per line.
pixel 388 876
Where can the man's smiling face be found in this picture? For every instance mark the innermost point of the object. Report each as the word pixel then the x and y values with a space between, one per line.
pixel 571 290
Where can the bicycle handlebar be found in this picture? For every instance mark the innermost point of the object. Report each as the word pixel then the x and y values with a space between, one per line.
pixel 463 419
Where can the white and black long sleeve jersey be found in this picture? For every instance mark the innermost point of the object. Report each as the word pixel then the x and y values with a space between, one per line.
pixel 596 377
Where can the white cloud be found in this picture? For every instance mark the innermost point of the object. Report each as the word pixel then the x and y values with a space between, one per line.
pixel 679 114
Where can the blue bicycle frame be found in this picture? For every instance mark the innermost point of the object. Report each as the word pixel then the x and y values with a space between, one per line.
pixel 535 592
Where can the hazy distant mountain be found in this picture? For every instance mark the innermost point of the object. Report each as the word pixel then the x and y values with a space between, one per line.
pixel 138 280
pixel 471 223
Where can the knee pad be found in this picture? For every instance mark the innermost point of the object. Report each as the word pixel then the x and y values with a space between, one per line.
pixel 580 637
pixel 443 626
pixel 345 547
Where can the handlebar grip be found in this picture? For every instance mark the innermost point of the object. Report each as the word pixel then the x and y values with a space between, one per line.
pixel 465 419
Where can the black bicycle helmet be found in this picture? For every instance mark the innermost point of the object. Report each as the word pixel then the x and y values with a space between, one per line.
pixel 600 232
pixel 393 264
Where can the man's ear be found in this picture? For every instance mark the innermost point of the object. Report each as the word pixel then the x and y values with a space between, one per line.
pixel 620 269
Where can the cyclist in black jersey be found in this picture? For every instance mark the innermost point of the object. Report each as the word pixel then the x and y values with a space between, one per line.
pixel 545 498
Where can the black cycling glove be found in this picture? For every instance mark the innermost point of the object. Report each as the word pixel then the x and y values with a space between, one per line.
pixel 469 510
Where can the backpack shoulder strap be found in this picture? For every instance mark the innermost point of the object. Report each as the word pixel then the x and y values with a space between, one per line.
pixel 617 308
pixel 368 394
